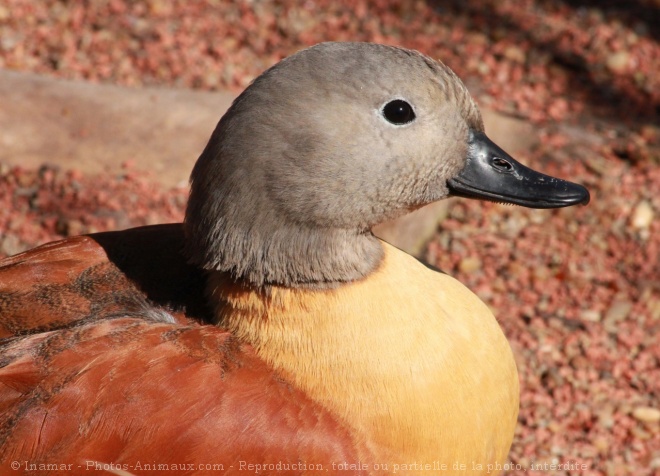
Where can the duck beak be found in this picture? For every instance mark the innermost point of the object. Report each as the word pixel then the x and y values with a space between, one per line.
pixel 492 174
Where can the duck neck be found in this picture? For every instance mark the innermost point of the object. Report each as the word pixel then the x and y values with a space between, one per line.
pixel 289 255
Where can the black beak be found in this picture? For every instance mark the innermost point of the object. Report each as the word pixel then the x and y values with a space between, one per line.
pixel 492 174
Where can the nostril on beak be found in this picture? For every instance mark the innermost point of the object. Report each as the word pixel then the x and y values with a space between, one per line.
pixel 502 164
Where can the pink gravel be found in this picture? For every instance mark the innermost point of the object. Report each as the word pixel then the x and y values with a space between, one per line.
pixel 577 290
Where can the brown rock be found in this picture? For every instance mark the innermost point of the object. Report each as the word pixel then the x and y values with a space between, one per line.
pixel 97 127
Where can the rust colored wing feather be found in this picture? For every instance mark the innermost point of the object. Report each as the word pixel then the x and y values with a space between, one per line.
pixel 93 277
pixel 132 392
pixel 106 358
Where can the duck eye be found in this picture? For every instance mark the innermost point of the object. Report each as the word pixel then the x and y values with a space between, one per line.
pixel 398 112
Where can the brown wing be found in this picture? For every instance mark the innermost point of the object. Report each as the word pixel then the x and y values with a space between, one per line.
pixel 94 368
pixel 132 392
pixel 93 277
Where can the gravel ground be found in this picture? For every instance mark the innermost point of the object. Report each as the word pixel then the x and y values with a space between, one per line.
pixel 577 291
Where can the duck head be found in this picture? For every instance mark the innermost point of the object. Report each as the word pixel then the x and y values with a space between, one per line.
pixel 332 141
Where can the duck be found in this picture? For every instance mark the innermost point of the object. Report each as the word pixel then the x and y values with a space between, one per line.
pixel 271 331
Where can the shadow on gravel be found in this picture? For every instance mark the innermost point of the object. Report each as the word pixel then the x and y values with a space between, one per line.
pixel 604 98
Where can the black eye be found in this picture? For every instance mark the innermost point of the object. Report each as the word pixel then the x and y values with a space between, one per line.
pixel 398 112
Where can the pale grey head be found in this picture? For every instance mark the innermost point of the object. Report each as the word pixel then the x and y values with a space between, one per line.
pixel 320 148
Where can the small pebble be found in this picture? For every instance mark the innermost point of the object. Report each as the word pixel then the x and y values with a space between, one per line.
pixel 470 264
pixel 646 414
pixel 618 62
pixel 591 315
pixel 515 53
pixel 642 215
pixel 618 311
